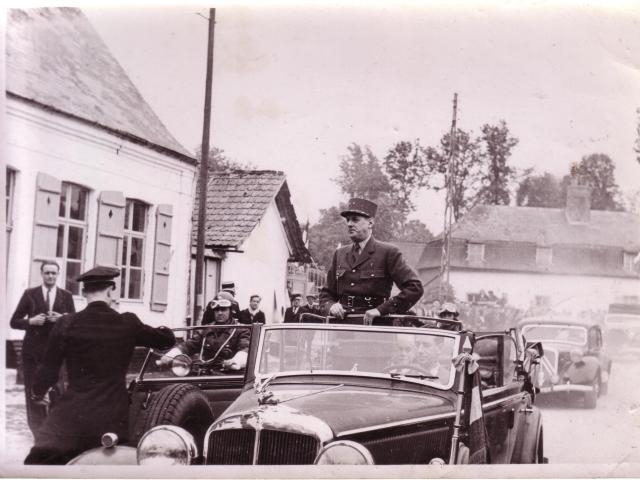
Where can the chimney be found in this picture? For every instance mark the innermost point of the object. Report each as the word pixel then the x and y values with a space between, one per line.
pixel 578 209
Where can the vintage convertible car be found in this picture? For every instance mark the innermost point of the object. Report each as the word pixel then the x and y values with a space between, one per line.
pixel 575 360
pixel 405 390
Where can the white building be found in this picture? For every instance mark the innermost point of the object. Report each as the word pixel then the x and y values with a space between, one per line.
pixel 252 232
pixel 539 258
pixel 93 176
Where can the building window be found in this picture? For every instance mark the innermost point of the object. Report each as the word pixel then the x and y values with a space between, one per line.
pixel 475 252
pixel 72 228
pixel 9 199
pixel 627 261
pixel 543 256
pixel 135 227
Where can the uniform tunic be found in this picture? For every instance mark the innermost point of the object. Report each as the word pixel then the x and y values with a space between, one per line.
pixel 97 345
pixel 221 343
pixel 373 274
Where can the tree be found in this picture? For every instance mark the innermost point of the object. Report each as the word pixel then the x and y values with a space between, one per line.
pixel 497 145
pixel 598 171
pixel 361 174
pixel 414 231
pixel 466 169
pixel 219 162
pixel 326 235
pixel 540 191
pixel 405 165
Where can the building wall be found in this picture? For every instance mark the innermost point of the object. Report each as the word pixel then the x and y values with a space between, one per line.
pixel 565 292
pixel 71 151
pixel 261 268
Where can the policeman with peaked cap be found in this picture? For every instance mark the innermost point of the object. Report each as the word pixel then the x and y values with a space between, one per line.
pixel 362 274
pixel 97 344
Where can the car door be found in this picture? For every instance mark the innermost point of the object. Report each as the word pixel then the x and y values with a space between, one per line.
pixel 503 399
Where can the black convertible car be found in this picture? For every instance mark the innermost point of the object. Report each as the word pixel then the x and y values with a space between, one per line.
pixel 405 390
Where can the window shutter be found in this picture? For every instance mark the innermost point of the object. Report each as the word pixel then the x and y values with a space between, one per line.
pixel 110 228
pixel 45 223
pixel 161 258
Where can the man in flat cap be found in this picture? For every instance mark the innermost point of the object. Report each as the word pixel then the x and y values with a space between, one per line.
pixel 97 344
pixel 362 274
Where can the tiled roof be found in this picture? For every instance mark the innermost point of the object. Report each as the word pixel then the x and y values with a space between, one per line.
pixel 411 251
pixel 548 226
pixel 56 59
pixel 236 201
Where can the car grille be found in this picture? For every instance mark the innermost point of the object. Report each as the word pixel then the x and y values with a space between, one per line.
pixel 235 447
pixel 564 362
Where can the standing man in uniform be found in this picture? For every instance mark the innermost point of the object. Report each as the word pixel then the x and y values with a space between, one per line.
pixel 362 274
pixel 97 344
pixel 38 310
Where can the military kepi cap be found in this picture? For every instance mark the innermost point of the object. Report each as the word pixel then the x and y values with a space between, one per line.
pixel 99 274
pixel 360 206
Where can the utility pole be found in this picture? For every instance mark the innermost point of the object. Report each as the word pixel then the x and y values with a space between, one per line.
pixel 448 209
pixel 202 179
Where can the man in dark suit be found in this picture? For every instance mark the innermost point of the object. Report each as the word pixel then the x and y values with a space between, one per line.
pixel 97 344
pixel 292 314
pixel 362 274
pixel 253 314
pixel 38 310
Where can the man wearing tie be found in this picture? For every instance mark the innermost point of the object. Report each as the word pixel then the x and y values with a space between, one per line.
pixel 38 310
pixel 362 274
pixel 292 314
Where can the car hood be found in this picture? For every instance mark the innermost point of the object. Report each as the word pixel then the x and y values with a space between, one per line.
pixel 345 407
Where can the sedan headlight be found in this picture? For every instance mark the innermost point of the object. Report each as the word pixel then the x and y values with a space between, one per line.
pixel 344 452
pixel 166 445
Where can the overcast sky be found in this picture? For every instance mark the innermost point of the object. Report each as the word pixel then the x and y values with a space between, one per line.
pixel 293 87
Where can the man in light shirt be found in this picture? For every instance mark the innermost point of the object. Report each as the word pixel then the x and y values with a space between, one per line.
pixel 38 310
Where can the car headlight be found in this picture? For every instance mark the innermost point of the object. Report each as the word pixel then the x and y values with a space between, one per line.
pixel 166 445
pixel 344 452
pixel 181 365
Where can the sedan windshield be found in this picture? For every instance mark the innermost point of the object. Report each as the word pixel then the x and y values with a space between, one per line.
pixel 555 333
pixel 422 355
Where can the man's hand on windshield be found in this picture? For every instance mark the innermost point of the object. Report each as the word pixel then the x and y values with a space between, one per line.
pixel 168 357
pixel 369 315
pixel 337 310
pixel 238 362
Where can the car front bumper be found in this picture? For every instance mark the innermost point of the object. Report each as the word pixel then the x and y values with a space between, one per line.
pixel 566 387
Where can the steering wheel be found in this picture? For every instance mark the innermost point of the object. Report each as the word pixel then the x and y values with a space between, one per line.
pixel 407 367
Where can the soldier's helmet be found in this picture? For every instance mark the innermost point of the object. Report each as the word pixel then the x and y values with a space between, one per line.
pixel 449 310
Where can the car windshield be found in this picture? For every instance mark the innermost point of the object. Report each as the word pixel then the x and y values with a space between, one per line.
pixel 418 355
pixel 556 333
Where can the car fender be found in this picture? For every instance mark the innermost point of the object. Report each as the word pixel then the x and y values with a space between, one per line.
pixel 528 437
pixel 585 371
pixel 116 455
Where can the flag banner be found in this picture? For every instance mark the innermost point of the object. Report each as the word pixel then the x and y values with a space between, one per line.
pixel 478 438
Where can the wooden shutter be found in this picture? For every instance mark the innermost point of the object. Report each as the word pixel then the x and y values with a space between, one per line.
pixel 45 224
pixel 161 258
pixel 110 228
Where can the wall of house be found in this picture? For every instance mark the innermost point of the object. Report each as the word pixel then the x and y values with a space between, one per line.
pixel 569 292
pixel 71 151
pixel 262 267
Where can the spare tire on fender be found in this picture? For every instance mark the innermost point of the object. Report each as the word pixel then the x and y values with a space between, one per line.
pixel 184 406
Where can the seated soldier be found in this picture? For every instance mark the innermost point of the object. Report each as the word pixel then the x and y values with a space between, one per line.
pixel 223 348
